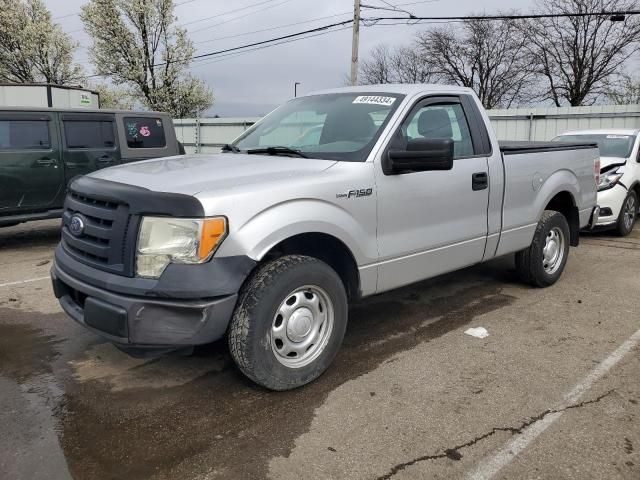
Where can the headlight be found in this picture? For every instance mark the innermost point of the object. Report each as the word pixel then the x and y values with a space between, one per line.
pixel 608 180
pixel 163 240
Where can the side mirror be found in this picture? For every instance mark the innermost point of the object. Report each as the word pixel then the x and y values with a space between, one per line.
pixel 421 155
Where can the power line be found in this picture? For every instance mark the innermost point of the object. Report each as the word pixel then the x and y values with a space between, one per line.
pixel 227 12
pixel 270 28
pixel 373 20
pixel 263 42
pixel 517 17
pixel 238 54
pixel 268 7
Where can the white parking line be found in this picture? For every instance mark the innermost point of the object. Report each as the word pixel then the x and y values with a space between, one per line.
pixel 489 467
pixel 24 281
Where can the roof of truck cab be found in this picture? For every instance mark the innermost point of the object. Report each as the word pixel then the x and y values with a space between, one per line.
pixel 77 110
pixel 398 88
pixel 603 131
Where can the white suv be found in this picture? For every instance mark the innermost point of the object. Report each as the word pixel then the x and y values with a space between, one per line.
pixel 619 187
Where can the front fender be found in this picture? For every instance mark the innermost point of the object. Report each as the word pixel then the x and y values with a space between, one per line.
pixel 257 235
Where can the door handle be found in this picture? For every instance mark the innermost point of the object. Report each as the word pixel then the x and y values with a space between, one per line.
pixel 45 162
pixel 479 181
pixel 105 159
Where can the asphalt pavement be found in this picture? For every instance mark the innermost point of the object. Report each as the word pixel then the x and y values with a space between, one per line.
pixel 552 393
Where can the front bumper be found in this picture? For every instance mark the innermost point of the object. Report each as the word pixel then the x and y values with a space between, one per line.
pixel 135 319
pixel 610 202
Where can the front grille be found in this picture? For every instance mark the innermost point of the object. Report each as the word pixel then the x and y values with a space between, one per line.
pixel 104 241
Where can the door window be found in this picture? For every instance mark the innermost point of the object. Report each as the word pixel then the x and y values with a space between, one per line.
pixel 89 134
pixel 144 132
pixel 438 121
pixel 24 135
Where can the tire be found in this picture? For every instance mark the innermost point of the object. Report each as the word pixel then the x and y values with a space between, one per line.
pixel 275 308
pixel 532 266
pixel 628 214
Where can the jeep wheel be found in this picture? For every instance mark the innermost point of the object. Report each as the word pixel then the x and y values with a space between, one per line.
pixel 543 262
pixel 289 322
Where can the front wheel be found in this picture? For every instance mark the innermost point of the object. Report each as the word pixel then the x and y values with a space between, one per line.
pixel 289 322
pixel 628 214
pixel 543 262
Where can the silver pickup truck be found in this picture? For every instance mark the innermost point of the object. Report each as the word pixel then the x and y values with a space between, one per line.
pixel 333 197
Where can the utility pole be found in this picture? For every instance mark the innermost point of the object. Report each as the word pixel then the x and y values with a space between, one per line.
pixel 355 43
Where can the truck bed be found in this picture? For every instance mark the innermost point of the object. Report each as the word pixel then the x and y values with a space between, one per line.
pixel 514 148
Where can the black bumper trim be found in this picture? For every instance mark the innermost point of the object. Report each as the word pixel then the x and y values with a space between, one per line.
pixel 145 322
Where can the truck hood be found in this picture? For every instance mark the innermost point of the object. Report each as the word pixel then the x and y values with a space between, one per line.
pixel 191 174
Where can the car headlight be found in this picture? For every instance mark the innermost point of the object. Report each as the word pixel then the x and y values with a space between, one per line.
pixel 609 180
pixel 164 240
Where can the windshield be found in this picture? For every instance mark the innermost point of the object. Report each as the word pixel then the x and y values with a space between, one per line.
pixel 610 145
pixel 341 126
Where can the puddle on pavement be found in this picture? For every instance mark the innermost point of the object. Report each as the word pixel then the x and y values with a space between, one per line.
pixel 134 423
pixel 25 351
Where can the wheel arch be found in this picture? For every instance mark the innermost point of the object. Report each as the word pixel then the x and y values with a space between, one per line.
pixel 564 202
pixel 327 248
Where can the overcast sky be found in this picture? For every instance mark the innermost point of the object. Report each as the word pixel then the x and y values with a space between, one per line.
pixel 254 83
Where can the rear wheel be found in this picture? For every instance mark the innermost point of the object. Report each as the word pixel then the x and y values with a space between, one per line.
pixel 289 322
pixel 543 262
pixel 628 214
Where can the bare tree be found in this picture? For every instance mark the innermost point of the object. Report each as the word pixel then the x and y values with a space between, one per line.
pixel 397 65
pixel 377 68
pixel 580 56
pixel 625 92
pixel 32 47
pixel 138 44
pixel 487 56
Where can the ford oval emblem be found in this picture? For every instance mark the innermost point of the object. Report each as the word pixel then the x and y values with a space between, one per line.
pixel 76 225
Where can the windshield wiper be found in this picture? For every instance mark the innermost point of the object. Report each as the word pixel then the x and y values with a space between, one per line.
pixel 230 148
pixel 277 151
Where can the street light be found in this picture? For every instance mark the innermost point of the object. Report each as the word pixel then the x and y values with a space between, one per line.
pixel 295 89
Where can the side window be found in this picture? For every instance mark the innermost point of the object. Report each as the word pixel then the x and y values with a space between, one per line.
pixel 89 134
pixel 443 120
pixel 144 132
pixel 24 135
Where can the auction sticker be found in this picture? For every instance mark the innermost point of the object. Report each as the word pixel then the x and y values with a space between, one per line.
pixel 375 100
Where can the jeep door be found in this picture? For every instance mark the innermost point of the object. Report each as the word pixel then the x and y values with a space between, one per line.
pixel 89 142
pixel 31 174
pixel 432 222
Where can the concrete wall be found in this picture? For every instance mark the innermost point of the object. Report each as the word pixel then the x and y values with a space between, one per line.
pixel 540 124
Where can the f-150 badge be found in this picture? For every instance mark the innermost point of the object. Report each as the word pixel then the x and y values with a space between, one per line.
pixel 363 192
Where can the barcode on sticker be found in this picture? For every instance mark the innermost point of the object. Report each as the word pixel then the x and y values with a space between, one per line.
pixel 375 100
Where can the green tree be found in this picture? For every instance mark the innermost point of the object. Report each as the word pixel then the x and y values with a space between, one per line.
pixel 32 47
pixel 138 44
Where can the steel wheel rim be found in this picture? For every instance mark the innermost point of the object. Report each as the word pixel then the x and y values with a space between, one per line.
pixel 553 251
pixel 302 326
pixel 629 212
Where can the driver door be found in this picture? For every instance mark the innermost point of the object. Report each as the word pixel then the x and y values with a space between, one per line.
pixel 433 222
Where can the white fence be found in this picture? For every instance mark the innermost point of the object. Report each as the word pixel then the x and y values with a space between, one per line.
pixel 206 135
